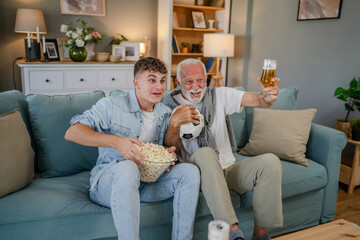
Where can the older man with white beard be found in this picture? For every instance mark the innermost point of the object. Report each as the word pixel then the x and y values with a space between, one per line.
pixel 212 150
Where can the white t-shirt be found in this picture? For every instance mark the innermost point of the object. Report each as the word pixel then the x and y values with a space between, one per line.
pixel 228 101
pixel 147 124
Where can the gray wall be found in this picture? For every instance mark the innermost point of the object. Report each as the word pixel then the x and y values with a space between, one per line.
pixel 317 56
pixel 132 18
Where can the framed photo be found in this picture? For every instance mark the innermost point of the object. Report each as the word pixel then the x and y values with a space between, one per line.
pixel 52 51
pixel 198 19
pixel 318 9
pixel 131 50
pixel 63 50
pixel 118 50
pixel 83 7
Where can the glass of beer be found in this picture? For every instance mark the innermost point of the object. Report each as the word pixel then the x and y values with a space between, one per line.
pixel 268 73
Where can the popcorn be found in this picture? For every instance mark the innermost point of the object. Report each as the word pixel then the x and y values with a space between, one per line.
pixel 157 160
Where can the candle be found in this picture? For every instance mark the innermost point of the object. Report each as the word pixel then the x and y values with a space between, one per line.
pixel 43 43
pixel 37 34
pixel 28 39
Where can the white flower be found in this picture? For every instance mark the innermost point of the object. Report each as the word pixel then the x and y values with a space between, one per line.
pixel 88 37
pixel 79 31
pixel 69 42
pixel 74 35
pixel 68 33
pixel 63 28
pixel 79 43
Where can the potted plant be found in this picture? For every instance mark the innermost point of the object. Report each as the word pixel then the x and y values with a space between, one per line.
pixel 355 129
pixel 118 39
pixel 185 47
pixel 351 97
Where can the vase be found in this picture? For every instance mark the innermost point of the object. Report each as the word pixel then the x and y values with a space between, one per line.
pixel 344 127
pixel 77 54
pixel 90 51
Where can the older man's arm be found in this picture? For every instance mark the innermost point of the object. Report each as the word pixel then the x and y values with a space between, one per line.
pixel 259 100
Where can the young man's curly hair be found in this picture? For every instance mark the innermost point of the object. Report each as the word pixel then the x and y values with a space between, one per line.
pixel 149 64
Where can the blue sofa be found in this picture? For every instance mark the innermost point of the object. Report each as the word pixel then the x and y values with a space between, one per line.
pixel 56 204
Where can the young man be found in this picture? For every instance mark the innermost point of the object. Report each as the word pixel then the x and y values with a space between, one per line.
pixel 115 125
pixel 211 151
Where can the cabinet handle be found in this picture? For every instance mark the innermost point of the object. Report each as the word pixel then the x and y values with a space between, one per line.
pixel 81 79
pixel 47 80
pixel 113 79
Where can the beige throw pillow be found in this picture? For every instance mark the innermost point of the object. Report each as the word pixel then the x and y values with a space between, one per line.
pixel 284 133
pixel 17 156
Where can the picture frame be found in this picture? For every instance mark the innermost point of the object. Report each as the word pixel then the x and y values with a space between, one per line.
pixel 52 51
pixel 82 7
pixel 118 50
pixel 131 50
pixel 63 50
pixel 318 9
pixel 198 19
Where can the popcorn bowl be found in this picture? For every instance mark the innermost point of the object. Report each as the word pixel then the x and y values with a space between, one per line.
pixel 150 171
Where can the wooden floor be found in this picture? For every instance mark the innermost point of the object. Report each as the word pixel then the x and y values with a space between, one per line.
pixel 348 205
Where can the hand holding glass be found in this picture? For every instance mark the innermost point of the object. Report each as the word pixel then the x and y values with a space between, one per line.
pixel 268 73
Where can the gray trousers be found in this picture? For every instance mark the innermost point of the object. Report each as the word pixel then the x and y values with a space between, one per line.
pixel 260 174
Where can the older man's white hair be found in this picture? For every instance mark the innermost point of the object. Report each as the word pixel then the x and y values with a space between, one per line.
pixel 186 62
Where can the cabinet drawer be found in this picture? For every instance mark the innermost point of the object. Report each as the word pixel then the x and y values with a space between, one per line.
pixel 46 80
pixel 80 79
pixel 118 79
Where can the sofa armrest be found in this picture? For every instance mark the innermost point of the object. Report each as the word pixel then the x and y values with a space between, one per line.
pixel 325 146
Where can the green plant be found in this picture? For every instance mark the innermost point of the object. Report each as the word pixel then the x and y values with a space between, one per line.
pixel 185 44
pixel 355 125
pixel 350 96
pixel 79 37
pixel 118 39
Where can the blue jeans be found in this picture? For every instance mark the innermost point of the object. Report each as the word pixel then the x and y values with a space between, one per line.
pixel 120 189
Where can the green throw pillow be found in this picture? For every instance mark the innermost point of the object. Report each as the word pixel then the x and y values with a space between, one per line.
pixel 17 156
pixel 50 118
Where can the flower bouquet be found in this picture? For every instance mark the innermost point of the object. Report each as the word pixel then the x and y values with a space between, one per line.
pixel 78 38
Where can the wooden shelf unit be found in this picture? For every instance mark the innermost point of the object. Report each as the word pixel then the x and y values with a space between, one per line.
pixel 185 32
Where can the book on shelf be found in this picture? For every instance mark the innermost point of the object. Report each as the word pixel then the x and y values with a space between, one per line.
pixel 177 43
pixel 218 3
pixel 208 64
pixel 175 20
pixel 175 49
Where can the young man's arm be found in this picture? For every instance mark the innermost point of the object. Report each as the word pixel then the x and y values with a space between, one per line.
pixel 84 135
pixel 258 100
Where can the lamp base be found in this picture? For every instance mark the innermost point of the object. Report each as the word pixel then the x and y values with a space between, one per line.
pixel 217 81
pixel 33 52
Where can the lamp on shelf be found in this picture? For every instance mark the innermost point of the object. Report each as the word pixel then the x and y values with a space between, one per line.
pixel 31 21
pixel 218 45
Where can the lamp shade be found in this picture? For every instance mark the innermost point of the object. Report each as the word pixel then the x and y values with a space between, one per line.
pixel 219 45
pixel 28 19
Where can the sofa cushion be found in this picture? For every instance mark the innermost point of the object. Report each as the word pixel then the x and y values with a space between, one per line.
pixel 17 156
pixel 50 118
pixel 296 179
pixel 284 133
pixel 286 101
pixel 116 93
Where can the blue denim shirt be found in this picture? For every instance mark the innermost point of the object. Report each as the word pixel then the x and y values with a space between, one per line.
pixel 120 115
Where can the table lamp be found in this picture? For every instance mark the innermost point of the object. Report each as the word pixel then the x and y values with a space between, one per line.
pixel 218 45
pixel 31 21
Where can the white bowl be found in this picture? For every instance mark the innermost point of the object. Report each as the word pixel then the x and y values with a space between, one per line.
pixel 102 56
pixel 151 171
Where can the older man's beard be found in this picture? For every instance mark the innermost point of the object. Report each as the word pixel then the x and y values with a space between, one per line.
pixel 187 94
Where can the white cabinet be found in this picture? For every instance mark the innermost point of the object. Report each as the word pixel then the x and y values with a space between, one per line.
pixel 59 78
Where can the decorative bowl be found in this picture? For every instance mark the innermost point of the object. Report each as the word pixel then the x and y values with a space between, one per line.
pixel 102 56
pixel 114 58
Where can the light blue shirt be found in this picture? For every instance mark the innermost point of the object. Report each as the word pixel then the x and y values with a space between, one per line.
pixel 121 116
